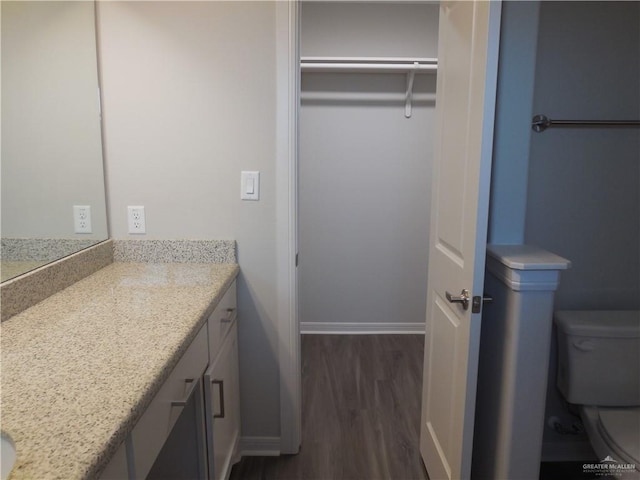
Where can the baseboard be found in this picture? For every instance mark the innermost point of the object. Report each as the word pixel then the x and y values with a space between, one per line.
pixel 345 328
pixel 260 446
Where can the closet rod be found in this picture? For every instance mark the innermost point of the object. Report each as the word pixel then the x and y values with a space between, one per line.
pixel 407 65
pixel 540 123
pixel 369 64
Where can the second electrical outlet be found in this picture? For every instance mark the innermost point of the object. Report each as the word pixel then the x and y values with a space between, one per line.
pixel 136 219
pixel 82 218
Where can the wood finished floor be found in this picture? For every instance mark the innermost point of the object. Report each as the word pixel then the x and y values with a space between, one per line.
pixel 360 412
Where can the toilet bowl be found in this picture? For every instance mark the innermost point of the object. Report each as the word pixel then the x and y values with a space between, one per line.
pixel 599 370
pixel 610 433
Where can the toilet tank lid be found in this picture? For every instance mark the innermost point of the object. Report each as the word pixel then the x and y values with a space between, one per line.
pixel 599 323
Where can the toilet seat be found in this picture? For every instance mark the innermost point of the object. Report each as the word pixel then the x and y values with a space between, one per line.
pixel 614 431
pixel 621 429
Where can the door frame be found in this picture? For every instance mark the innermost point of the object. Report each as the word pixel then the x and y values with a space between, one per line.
pixel 287 323
pixel 288 326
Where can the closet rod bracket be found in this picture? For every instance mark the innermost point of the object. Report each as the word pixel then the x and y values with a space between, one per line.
pixel 411 74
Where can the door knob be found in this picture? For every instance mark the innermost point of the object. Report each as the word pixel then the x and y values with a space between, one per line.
pixel 463 298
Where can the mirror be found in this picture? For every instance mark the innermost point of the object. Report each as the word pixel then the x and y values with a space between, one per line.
pixel 51 136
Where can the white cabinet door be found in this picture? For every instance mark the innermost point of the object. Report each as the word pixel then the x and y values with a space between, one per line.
pixel 222 397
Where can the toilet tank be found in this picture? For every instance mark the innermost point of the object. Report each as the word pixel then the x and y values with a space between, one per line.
pixel 599 357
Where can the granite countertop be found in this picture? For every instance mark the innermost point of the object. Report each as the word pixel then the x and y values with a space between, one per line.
pixel 80 368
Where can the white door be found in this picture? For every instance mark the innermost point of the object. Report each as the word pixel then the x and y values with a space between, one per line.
pixel 467 70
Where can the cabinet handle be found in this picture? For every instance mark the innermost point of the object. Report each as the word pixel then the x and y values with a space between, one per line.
pixel 220 384
pixel 232 313
pixel 182 403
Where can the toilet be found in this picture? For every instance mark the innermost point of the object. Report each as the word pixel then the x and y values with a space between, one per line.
pixel 599 370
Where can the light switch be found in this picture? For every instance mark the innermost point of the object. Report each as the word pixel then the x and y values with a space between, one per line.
pixel 250 185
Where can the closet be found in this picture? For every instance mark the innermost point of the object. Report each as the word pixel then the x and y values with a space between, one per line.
pixel 367 116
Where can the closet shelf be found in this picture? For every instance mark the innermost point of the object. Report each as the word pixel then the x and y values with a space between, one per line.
pixel 407 65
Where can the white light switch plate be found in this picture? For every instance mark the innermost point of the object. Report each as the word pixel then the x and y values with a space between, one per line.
pixel 250 185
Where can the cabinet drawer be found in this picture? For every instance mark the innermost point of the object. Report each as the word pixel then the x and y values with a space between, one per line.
pixel 153 428
pixel 221 319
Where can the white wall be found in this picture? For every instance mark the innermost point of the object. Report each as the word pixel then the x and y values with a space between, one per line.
pixel 369 29
pixel 189 102
pixel 51 148
pixel 364 171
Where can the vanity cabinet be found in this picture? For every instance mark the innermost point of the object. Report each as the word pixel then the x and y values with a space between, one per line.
pixel 154 427
pixel 191 428
pixel 222 388
pixel 184 454
pixel 178 400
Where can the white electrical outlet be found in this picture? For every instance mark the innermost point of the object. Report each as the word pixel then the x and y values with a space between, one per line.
pixel 82 219
pixel 136 219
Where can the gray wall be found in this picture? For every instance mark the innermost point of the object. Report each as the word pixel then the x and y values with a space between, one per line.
pixel 573 192
pixel 583 199
pixel 514 109
pixel 364 171
pixel 584 184
pixel 189 101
